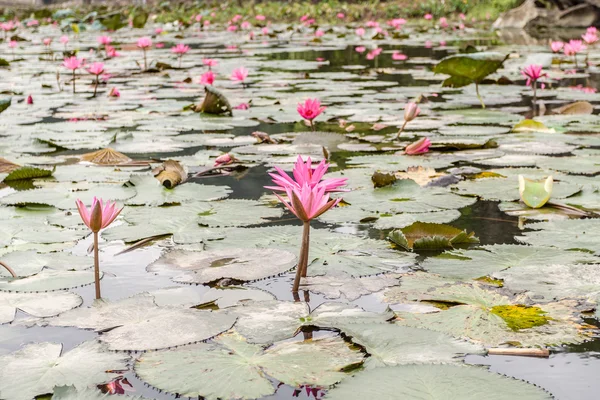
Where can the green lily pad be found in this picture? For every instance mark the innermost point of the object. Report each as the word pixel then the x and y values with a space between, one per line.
pixel 428 236
pixel 36 304
pixel 581 234
pixel 469 67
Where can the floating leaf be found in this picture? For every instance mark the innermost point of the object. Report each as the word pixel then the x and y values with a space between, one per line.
pixel 571 234
pixel 577 108
pixel 472 264
pixel 232 368
pixel 70 393
pixel 529 125
pixel 210 266
pixel 137 323
pixel 271 321
pixel 37 368
pixel 47 281
pixel 390 345
pixel 27 173
pixel 430 236
pixel 333 286
pixel 435 382
pixel 36 304
pixel 5 103
pixel 191 296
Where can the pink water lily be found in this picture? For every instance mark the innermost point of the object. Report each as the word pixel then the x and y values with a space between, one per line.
pixel 209 62
pixel 532 73
pixel 397 56
pixel 305 174
pixel 310 109
pixel 411 111
pixel 12 44
pixel 180 50
pixel 421 146
pixel 144 43
pixel 104 40
pixel 97 69
pixel 556 46
pixel 99 216
pixel 260 17
pixel 242 106
pixel 47 41
pixel 207 78
pixel 73 63
pixel 111 51
pixel 319 33
pixel 225 159
pixel 240 74
pixel 360 32
pixel 590 37
pixel 114 92
pixel 360 49
pixel 308 203
pixel 443 22
pixel 428 17
pixel 29 99
pixel 341 15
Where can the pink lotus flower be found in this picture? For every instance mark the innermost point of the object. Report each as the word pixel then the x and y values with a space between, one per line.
pixel 260 17
pixel 360 31
pixel 12 44
pixel 574 47
pixel 419 147
pixel 64 39
pixel 207 78
pixel 397 23
pixel 236 18
pixel 104 40
pixel 341 15
pixel 397 56
pixel 246 25
pixel 265 31
pixel 100 215
pixel 556 46
pixel 308 203
pixel 532 73
pixel 180 50
pixel 33 22
pixel 443 23
pixel 232 28
pixel 47 41
pixel 372 24
pixel 583 89
pixel 310 110
pixel 462 16
pixel 209 62
pixel 198 18
pixel 592 29
pixel 144 43
pixel 96 68
pixel 428 44
pixel 590 38
pixel 158 30
pixel 114 92
pixel 319 33
pixel 240 74
pixel 360 49
pixel 224 159
pixel 29 100
pixel 428 17
pixel 304 18
pixel 305 174
pixel 442 43
pixel 242 106
pixel 72 63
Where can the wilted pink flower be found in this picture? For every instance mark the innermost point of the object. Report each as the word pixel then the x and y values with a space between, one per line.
pixel 443 22
pixel 242 106
pixel 29 100
pixel 209 62
pixel 532 73
pixel 12 44
pixel 180 49
pixel 411 111
pixel 428 17
pixel 240 74
pixel 360 31
pixel 260 17
pixel 47 41
pixel 114 92
pixel 419 147
pixel 72 63
pixel 111 51
pixel 104 40
pixel 556 46
pixel 360 49
pixel 590 37
pixel 341 15
pixel 310 109
pixel 100 215
pixel 144 43
pixel 96 68
pixel 224 159
pixel 305 174
pixel 64 39
pixel 397 56
pixel 207 78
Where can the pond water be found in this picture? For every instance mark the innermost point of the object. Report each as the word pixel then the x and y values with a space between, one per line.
pixel 147 123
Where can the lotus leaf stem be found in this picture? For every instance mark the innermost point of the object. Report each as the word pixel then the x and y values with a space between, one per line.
pixel 9 269
pixel 478 95
pixel 96 266
pixel 302 268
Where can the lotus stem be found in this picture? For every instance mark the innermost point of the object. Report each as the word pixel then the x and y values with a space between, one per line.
pixel 96 266
pixel 180 61
pixel 534 104
pixel 145 61
pixel 575 58
pixel 312 125
pixel 9 269
pixel 73 81
pixel 401 130
pixel 96 85
pixel 478 95
pixel 302 267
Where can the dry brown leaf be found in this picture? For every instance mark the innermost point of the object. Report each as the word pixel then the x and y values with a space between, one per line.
pixel 170 174
pixel 419 174
pixel 106 156
pixel 579 107
pixel 7 166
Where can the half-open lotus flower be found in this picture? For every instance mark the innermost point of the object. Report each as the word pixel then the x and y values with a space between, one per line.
pixel 100 215
pixel 308 203
pixel 411 111
pixel 556 46
pixel 535 193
